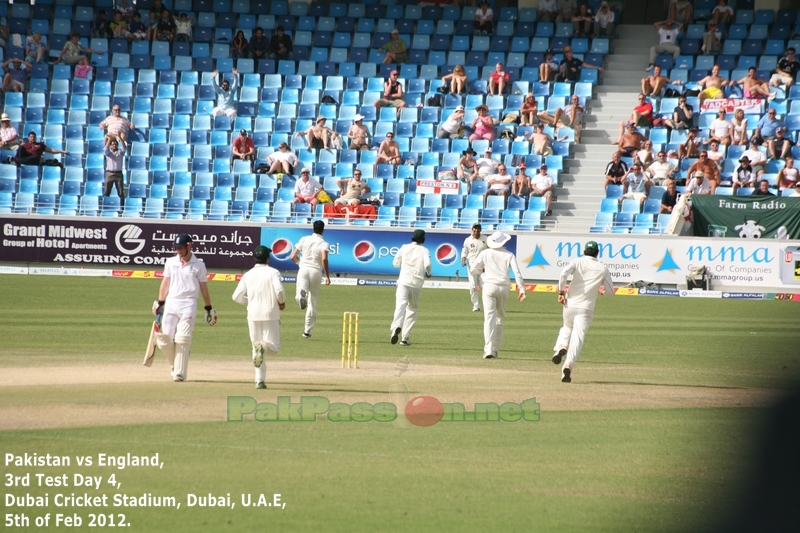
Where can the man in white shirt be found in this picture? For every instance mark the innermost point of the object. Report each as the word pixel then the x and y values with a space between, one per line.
pixel 184 278
pixel 311 255
pixel 498 185
pixel 566 8
pixel 260 289
pixel 637 185
pixel 668 31
pixel 495 263
pixel 306 189
pixel 757 158
pixel 414 262
pixel 661 170
pixel 604 21
pixel 698 185
pixel 542 185
pixel 486 165
pixel 590 277
pixel 473 245
pixel 546 11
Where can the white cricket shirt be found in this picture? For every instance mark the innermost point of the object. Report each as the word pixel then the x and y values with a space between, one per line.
pixel 472 247
pixel 495 264
pixel 261 290
pixel 588 274
pixel 414 260
pixel 311 248
pixel 184 280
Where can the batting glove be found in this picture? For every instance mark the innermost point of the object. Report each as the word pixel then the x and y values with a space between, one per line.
pixel 211 315
pixel 158 307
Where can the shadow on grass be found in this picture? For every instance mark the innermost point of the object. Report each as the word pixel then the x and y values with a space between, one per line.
pixel 664 385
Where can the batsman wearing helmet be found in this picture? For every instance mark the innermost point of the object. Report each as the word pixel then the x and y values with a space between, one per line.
pixel 261 291
pixel 184 277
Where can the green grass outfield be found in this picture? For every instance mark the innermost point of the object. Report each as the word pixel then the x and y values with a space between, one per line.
pixel 654 434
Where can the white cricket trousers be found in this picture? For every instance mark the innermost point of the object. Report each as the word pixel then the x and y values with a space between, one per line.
pixel 268 334
pixel 495 298
pixel 474 282
pixel 573 333
pixel 309 280
pixel 405 309
pixel 175 340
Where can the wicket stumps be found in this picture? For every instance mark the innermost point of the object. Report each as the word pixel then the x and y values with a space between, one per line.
pixel 350 338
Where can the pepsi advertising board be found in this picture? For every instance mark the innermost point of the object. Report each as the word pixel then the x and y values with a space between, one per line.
pixel 370 251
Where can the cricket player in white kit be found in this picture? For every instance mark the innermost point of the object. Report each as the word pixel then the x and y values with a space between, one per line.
pixel 260 289
pixel 184 277
pixel 590 277
pixel 414 262
pixel 313 259
pixel 495 262
pixel 473 245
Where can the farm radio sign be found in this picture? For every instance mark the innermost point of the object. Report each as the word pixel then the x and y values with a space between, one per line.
pixel 756 217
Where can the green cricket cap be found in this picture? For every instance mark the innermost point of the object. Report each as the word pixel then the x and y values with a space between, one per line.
pixel 591 246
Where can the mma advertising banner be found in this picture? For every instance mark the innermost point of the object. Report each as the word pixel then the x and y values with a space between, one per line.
pixel 132 243
pixel 370 251
pixel 746 217
pixel 745 263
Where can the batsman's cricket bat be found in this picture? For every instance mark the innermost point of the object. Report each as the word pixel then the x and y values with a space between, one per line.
pixel 150 351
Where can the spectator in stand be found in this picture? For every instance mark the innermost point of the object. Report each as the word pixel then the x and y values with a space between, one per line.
pixel 712 39
pixel 318 136
pixel 721 129
pixel 358 134
pixel 786 73
pixel 631 141
pixel 569 115
pixel 691 146
pixel 542 143
pixel 451 128
pixel 226 95
pixel 239 47
pixel 713 84
pixel 116 126
pixel 244 148
pixel 757 158
pixel 115 163
pixel 668 31
pixel 542 186
pixel 767 126
pixel 753 87
pixel 498 185
pixel 4 33
pixel 521 186
pixel 682 116
pixel 352 189
pixel 483 126
pixel 715 155
pixel 698 184
pixel 183 28
pixel 30 152
pixel 17 73
pixel 548 68
pixel 654 84
pixel 396 49
pixel 35 49
pixel 166 27
pixel 787 176
pixel 709 169
pixel 458 80
pixel 570 68
pixel 486 165
pixel 681 11
pixel 259 46
pixel 9 138
pixel 529 110
pixel 126 10
pixel 152 26
pixel 467 168
pixel 796 192
pixel 642 116
pixel 636 185
pixel 137 28
pixel 306 189
pixel 119 28
pixel 763 189
pixel 546 11
pixel 604 21
pixel 722 13
pixel 670 197
pixel 388 151
pixel 565 9
pixel 661 170
pixel 100 25
pixel 779 145
pixel 158 8
pixel 498 80
pixel 392 93
pixel 582 21
pixel 745 175
pixel 646 156
pixel 739 124
pixel 483 20
pixel 615 170
pixel 83 68
pixel 73 51
pixel 282 161
pixel 280 46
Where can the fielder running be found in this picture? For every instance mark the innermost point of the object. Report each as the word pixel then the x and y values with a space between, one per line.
pixel 473 245
pixel 184 278
pixel 495 263
pixel 261 291
pixel 590 277
pixel 314 258
pixel 414 262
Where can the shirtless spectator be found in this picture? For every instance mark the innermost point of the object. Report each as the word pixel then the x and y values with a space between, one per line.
pixel 542 186
pixel 713 84
pixel 521 186
pixel 306 189
pixel 283 161
pixel 653 85
pixel 615 170
pixel 569 115
pixel 541 142
pixel 388 151
pixel 745 175
pixel 358 134
pixel 779 145
pixel 631 141
pixel 682 116
pixel 498 185
pixel 712 39
pixel 529 110
pixel 668 31
pixel 352 189
pixel 642 116
pixel 786 73
pixel 691 146
pixel 548 68
pixel 709 169
pixel 392 93
pixel 661 170
pixel 499 80
pixel 721 129
pixel 753 87
pixel 318 136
